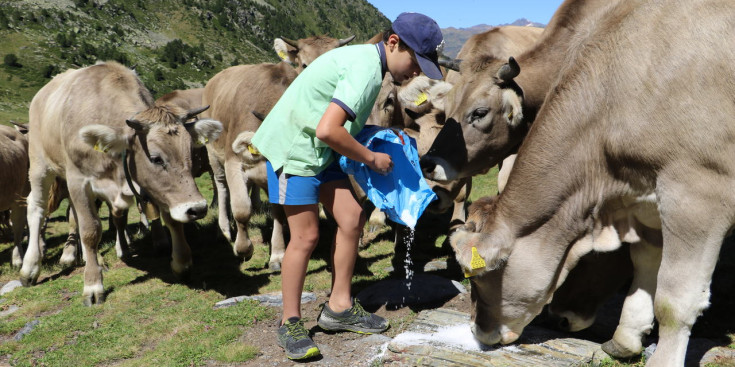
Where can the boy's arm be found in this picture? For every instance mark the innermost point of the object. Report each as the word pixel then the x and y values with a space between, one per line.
pixel 331 130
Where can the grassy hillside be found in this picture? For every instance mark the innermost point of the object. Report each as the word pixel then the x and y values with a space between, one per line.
pixel 173 44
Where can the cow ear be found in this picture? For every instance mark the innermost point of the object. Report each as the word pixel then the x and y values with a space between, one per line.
pixel 204 130
pixel 104 139
pixel 438 94
pixel 285 52
pixel 511 108
pixel 414 94
pixel 243 147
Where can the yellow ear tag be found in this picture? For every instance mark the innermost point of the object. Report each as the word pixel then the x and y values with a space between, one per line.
pixel 282 55
pixel 477 263
pixel 253 150
pixel 420 99
pixel 103 150
pixel 510 115
pixel 202 140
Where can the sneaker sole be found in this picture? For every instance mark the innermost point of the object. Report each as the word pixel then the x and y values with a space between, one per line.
pixel 355 329
pixel 311 353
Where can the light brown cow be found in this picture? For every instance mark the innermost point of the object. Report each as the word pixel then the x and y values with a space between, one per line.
pixel 14 183
pixel 89 126
pixel 485 116
pixel 501 42
pixel 491 103
pixel 621 132
pixel 234 94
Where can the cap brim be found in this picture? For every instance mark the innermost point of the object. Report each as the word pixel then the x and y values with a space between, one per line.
pixel 429 67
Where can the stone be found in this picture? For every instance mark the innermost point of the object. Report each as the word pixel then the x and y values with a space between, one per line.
pixel 26 329
pixel 11 310
pixel 274 299
pixel 10 286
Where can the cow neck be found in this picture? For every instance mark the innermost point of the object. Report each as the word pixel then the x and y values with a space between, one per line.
pixel 142 198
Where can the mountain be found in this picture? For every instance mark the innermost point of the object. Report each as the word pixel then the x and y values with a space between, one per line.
pixel 174 44
pixel 454 38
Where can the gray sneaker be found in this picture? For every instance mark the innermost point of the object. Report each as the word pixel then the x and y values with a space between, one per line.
pixel 354 319
pixel 294 339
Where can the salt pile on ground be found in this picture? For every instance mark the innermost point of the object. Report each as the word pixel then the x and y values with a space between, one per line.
pixel 458 336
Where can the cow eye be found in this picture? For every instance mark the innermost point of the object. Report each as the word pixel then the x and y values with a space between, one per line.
pixel 479 113
pixel 303 66
pixel 157 161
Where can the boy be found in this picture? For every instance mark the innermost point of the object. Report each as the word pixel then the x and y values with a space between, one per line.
pixel 319 114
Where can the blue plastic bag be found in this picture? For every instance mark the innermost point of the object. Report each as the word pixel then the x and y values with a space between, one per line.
pixel 402 194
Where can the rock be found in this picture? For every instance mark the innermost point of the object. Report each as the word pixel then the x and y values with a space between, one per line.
pixel 26 329
pixel 435 265
pixel 442 337
pixel 9 286
pixel 274 299
pixel 9 311
pixel 424 289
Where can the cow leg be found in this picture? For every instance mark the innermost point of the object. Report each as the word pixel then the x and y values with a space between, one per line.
pixel 69 255
pixel 636 318
pixel 90 233
pixel 36 213
pixel 160 239
pixel 18 218
pixel 219 177
pixel 237 182
pixel 694 225
pixel 120 222
pixel 459 212
pixel 180 251
pixel 278 243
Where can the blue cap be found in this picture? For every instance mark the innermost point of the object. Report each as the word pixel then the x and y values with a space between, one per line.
pixel 424 37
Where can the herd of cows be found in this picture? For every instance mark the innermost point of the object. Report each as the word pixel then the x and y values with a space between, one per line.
pixel 614 127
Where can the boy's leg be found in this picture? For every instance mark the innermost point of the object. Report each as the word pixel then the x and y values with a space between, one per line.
pixel 338 200
pixel 303 222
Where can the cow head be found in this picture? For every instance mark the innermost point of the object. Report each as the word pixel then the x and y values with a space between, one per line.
pixel 301 53
pixel 525 269
pixel 484 121
pixel 159 146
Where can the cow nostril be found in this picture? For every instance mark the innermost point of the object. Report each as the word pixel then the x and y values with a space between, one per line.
pixel 427 165
pixel 197 212
pixel 564 324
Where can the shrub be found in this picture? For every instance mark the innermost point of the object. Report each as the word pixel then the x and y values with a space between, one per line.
pixel 12 61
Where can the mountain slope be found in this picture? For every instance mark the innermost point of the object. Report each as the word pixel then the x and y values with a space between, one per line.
pixel 456 37
pixel 174 44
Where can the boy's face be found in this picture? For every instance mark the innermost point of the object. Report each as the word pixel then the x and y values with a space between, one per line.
pixel 402 64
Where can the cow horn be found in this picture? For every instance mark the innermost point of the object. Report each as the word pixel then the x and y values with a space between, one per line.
pixel 510 70
pixel 345 41
pixel 290 42
pixel 195 112
pixel 449 63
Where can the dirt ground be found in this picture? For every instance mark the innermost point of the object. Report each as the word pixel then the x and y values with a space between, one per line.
pixel 338 349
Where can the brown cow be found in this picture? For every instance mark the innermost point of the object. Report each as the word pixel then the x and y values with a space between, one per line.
pixel 484 115
pixel 234 94
pixel 92 125
pixel 14 183
pixel 491 103
pixel 620 132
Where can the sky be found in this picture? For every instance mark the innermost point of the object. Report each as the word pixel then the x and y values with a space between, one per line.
pixel 467 13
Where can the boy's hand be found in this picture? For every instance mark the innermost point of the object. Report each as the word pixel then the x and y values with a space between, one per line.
pixel 381 163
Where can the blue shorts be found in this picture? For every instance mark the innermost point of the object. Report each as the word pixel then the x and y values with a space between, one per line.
pixel 287 189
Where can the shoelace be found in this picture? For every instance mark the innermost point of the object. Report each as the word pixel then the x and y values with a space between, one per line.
pixel 297 330
pixel 357 309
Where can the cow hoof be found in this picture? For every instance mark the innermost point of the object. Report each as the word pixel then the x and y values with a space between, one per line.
pixel 274 266
pixel 93 299
pixel 68 258
pixel 616 350
pixel 28 282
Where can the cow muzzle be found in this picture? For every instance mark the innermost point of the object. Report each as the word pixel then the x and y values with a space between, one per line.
pixel 189 212
pixel 501 335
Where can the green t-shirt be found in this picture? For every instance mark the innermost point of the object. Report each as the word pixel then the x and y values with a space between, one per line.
pixel 350 76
